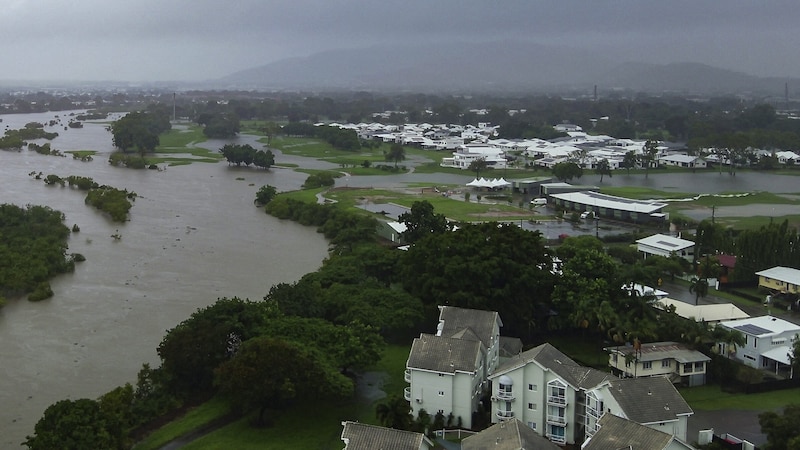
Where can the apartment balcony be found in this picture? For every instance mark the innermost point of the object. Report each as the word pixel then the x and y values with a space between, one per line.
pixel 557 420
pixel 556 400
pixel 504 395
pixel 503 415
pixel 407 376
pixel 557 439
pixel 407 393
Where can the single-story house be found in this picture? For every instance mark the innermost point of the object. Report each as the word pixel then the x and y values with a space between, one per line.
pixel 711 314
pixel 664 245
pixel 785 280
pixel 693 162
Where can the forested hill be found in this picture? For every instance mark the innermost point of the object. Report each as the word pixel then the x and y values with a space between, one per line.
pixel 495 66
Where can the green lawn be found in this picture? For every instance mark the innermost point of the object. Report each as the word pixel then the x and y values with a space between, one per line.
pixel 192 420
pixel 711 398
pixel 311 425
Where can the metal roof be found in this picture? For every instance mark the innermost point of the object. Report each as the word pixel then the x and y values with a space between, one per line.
pixel 599 200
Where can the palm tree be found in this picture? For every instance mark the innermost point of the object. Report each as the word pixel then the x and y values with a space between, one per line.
pixel 698 286
pixel 394 413
pixel 603 168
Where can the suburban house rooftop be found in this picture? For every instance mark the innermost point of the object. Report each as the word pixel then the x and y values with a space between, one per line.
pixel 455 322
pixel 657 351
pixel 704 313
pixel 508 435
pixel 616 433
pixel 551 358
pixel 443 354
pixel 665 242
pixel 360 436
pixel 649 399
pixel 762 326
pixel 785 274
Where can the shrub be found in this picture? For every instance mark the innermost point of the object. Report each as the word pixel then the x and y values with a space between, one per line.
pixel 43 291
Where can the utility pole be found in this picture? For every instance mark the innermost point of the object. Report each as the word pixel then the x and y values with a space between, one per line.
pixel 173 107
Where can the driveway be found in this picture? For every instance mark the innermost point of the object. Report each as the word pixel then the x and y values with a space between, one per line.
pixel 742 424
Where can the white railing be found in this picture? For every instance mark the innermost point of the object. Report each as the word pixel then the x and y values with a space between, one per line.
pixel 557 400
pixel 556 420
pixel 407 376
pixel 407 393
pixel 505 395
pixel 505 414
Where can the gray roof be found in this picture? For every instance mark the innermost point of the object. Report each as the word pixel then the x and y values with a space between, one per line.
pixel 370 437
pixel 648 399
pixel 616 433
pixel 455 320
pixel 656 351
pixel 508 435
pixel 551 358
pixel 443 354
pixel 510 346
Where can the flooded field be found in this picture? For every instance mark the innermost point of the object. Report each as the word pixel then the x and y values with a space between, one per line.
pixel 194 235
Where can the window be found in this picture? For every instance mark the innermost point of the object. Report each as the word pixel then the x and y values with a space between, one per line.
pixel 532 406
pixel 755 342
pixel 665 363
pixel 532 387
pixel 441 374
pixel 698 367
pixel 687 368
pixel 614 357
pixel 532 425
pixel 441 393
pixel 647 365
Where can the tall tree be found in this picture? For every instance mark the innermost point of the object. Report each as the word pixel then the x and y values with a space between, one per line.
pixel 567 170
pixel 272 373
pixel 422 221
pixel 699 287
pixel 629 160
pixel 782 430
pixel 477 166
pixel 603 168
pixel 396 153
pixel 395 413
pixel 648 156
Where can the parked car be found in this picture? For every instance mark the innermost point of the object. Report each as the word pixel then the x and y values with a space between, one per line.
pixel 539 202
pixel 587 215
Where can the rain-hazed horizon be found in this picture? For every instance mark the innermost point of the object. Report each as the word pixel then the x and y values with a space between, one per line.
pixel 149 40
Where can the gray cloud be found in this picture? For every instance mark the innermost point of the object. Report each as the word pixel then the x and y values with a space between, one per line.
pixel 200 39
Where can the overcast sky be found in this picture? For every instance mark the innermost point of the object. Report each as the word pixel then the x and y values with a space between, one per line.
pixel 157 40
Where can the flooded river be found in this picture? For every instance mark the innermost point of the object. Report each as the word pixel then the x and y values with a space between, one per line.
pixel 193 236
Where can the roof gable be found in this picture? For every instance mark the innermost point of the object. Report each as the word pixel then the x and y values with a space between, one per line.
pixel 507 435
pixel 482 323
pixel 648 399
pixel 443 354
pixel 550 358
pixel 616 433
pixel 359 436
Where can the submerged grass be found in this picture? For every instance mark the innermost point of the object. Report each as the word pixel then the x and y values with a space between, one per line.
pixel 712 398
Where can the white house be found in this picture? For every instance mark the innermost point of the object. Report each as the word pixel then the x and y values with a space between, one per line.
pixel 694 162
pixel 445 375
pixel 544 389
pixel 447 372
pixel 675 361
pixel 664 245
pixel 652 401
pixel 466 154
pixel 768 341
pixel 360 436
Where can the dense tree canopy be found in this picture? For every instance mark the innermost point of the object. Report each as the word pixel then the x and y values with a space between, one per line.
pixel 782 430
pixel 33 247
pixel 488 266
pixel 139 129
pixel 76 425
pixel 421 221
pixel 566 171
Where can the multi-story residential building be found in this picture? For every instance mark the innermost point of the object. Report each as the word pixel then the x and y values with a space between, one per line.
pixel 508 435
pixel 653 402
pixel 360 436
pixel 768 342
pixel 445 375
pixel 544 389
pixel 447 371
pixel 676 361
pixel 615 433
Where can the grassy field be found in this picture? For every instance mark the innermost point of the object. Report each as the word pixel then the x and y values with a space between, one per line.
pixel 712 398
pixel 311 425
pixel 177 142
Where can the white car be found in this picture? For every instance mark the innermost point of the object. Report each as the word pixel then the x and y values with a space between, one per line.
pixel 539 202
pixel 587 215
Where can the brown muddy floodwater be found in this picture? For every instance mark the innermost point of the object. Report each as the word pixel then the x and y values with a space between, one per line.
pixel 193 236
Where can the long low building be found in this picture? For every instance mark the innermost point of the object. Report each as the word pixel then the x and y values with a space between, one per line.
pixel 611 207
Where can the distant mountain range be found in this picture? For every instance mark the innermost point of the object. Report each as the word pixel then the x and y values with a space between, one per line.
pixel 506 66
